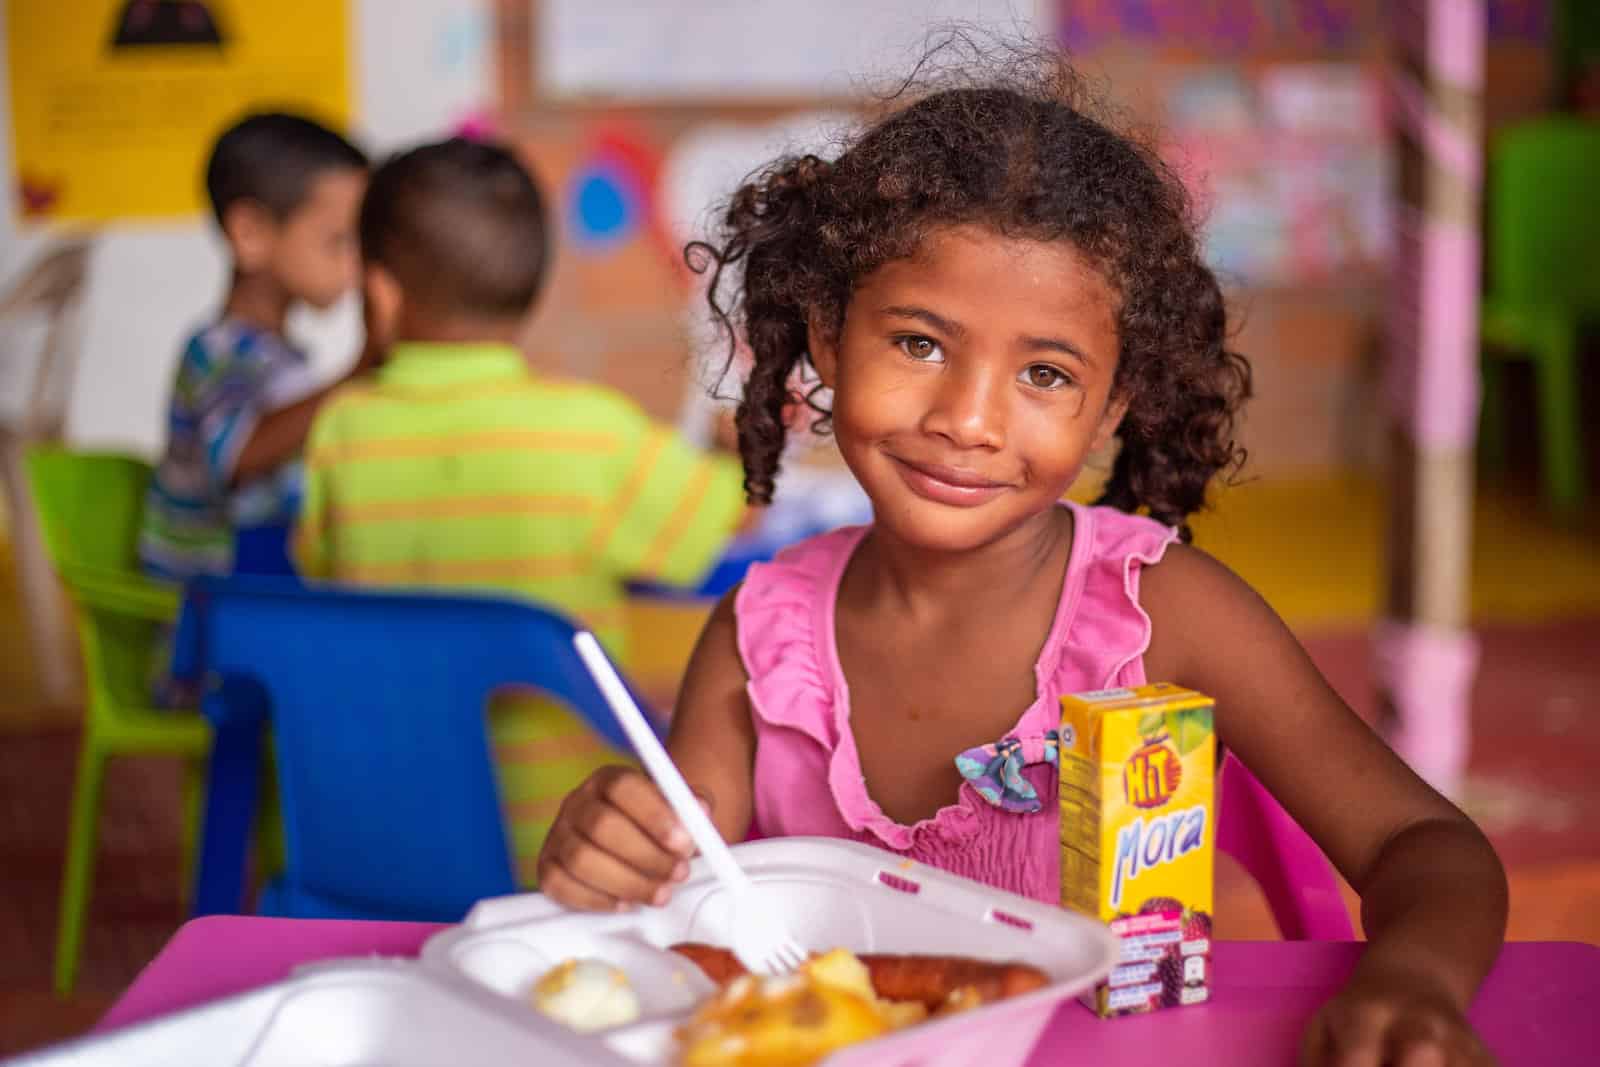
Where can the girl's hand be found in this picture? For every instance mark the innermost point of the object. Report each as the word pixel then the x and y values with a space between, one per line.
pixel 615 843
pixel 1389 1017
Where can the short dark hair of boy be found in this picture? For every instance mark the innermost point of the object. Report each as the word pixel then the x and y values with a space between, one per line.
pixel 461 226
pixel 273 159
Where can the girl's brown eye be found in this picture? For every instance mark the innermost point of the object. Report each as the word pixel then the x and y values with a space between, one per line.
pixel 923 349
pixel 1044 376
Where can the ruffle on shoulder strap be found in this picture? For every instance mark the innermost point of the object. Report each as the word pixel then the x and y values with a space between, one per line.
pixel 1109 630
pixel 781 609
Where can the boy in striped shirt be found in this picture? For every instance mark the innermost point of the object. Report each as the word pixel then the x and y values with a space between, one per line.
pixel 285 192
pixel 455 466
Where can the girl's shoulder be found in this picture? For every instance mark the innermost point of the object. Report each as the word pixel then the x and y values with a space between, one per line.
pixel 806 572
pixel 1110 551
pixel 814 557
pixel 1197 605
pixel 1101 631
pixel 783 621
pixel 784 600
pixel 1101 533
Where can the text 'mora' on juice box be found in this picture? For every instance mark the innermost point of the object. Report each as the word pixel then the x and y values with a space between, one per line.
pixel 1138 830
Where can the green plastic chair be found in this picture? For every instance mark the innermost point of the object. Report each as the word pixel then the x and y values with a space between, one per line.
pixel 1544 285
pixel 89 509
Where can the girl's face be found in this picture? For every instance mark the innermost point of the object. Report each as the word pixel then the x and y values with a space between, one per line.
pixel 971 381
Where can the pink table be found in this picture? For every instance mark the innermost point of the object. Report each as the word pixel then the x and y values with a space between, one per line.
pixel 1535 1007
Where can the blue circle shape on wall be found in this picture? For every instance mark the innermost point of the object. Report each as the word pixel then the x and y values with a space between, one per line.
pixel 603 206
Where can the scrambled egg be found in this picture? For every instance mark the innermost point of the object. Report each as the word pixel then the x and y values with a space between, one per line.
pixel 794 1020
pixel 586 995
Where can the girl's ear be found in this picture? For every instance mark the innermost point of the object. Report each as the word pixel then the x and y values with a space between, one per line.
pixel 1116 408
pixel 823 347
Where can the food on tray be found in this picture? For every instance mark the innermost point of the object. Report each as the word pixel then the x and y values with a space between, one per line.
pixel 939 983
pixel 586 995
pixel 834 1000
pixel 792 1020
pixel 719 964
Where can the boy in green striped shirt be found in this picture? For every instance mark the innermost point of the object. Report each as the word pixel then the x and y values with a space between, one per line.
pixel 454 466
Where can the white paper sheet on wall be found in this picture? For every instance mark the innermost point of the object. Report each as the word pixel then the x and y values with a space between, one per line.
pixel 424 66
pixel 778 49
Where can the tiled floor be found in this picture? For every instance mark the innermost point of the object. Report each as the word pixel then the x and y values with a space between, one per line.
pixel 1537 720
pixel 136 902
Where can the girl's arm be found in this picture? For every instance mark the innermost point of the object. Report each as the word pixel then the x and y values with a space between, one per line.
pixel 712 739
pixel 1433 893
pixel 615 841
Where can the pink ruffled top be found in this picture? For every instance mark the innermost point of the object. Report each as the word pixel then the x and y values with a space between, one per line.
pixel 808 778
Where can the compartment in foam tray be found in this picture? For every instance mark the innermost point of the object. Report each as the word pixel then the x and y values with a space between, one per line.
pixel 351 1013
pixel 833 894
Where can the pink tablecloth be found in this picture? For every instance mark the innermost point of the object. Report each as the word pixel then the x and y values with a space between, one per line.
pixel 1534 1009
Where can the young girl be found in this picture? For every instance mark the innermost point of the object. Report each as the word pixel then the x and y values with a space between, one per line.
pixel 993 285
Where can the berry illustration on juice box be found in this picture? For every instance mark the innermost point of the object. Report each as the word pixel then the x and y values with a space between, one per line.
pixel 1138 828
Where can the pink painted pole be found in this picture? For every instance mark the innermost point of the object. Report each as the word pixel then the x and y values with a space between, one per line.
pixel 1425 656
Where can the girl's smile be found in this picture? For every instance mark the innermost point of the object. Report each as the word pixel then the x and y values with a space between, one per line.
pixel 947 485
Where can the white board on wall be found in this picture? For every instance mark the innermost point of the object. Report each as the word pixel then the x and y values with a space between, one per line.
pixel 775 49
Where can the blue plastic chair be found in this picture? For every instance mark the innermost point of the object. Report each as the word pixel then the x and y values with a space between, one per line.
pixel 376 702
pixel 727 572
pixel 263 550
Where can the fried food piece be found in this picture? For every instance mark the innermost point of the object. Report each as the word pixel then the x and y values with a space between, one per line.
pixel 719 964
pixel 933 981
pixel 790 1021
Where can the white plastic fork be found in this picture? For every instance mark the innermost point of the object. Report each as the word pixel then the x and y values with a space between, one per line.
pixel 760 937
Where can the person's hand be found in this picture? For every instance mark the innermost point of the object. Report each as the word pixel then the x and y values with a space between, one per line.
pixel 1392 1017
pixel 615 843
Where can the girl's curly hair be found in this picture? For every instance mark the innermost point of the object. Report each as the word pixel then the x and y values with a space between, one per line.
pixel 1021 153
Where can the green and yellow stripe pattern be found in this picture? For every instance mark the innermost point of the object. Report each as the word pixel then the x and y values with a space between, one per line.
pixel 457 468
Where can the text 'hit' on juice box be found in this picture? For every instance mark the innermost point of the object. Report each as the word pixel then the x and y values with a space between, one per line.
pixel 1138 831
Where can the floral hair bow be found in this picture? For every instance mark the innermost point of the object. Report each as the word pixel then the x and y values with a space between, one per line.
pixel 995 771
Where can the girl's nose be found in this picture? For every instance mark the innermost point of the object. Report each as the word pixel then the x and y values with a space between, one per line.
pixel 968 409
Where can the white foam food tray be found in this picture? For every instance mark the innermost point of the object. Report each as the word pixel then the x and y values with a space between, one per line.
pixel 833 894
pixel 348 1013
pixel 468 999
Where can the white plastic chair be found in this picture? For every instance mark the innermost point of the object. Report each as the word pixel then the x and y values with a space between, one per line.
pixel 51 288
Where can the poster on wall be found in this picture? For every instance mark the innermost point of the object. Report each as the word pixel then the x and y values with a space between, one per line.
pixel 744 49
pixel 116 102
pixel 1290 167
pixel 1240 26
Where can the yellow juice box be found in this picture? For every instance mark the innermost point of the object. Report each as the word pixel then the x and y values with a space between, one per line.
pixel 1138 829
